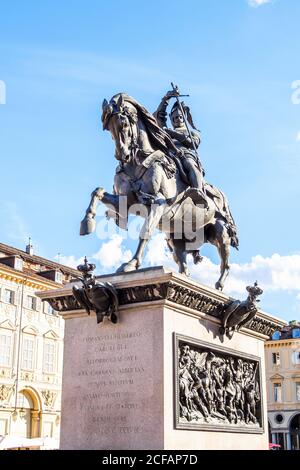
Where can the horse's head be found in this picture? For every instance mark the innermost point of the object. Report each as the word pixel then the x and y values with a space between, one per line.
pixel 120 118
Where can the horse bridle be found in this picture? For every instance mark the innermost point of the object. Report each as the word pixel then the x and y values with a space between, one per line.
pixel 124 111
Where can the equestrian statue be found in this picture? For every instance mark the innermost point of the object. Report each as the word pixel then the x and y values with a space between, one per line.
pixel 160 173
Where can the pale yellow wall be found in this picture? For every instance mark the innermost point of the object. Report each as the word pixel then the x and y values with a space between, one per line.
pixel 286 373
pixel 44 418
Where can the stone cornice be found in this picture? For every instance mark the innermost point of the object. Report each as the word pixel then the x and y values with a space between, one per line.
pixel 282 343
pixel 154 284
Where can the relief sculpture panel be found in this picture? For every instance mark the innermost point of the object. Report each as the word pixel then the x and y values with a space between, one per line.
pixel 216 388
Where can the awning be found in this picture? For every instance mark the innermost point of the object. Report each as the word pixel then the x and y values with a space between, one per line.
pixel 15 442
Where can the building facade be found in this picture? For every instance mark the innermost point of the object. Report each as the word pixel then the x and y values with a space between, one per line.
pixel 31 345
pixel 283 386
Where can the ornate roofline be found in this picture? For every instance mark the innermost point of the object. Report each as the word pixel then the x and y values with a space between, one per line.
pixel 9 250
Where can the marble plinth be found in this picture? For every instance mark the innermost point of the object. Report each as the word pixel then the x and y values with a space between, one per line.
pixel 120 382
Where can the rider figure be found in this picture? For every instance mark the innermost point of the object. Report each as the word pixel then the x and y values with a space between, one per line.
pixel 185 142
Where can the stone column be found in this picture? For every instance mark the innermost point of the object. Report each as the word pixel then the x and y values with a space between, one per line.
pixel 288 441
pixel 35 423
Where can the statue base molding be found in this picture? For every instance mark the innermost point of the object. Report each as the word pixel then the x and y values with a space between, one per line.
pixel 163 377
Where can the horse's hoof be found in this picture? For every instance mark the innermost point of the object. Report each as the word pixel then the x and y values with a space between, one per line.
pixel 100 317
pixel 219 286
pixel 186 273
pixel 128 267
pixel 87 226
pixel 114 318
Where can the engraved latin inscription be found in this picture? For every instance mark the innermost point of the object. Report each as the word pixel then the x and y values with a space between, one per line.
pixel 112 376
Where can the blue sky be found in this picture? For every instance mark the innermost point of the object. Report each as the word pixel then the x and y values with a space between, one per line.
pixel 237 59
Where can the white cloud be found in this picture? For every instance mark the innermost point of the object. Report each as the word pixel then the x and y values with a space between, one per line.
pixel 274 273
pixel 158 252
pixel 112 254
pixel 298 137
pixel 70 261
pixel 257 3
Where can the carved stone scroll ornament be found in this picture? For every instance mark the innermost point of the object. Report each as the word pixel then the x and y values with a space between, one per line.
pixel 49 398
pixel 100 297
pixel 217 389
pixel 237 314
pixel 5 392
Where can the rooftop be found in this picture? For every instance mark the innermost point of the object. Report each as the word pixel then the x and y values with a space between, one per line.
pixel 290 331
pixel 39 265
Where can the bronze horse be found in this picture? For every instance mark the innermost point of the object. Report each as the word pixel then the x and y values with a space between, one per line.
pixel 150 175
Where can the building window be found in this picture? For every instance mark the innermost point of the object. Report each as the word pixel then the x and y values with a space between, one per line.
pixel 49 357
pixel 58 277
pixel 279 418
pixel 31 302
pixel 276 335
pixel 296 357
pixel 298 391
pixel 276 358
pixel 9 296
pixel 48 309
pixel 28 353
pixel 296 333
pixel 277 393
pixel 18 264
pixel 5 349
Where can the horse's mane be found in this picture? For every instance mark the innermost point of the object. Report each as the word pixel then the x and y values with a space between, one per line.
pixel 158 137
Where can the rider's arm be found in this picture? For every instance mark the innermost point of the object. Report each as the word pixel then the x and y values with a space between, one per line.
pixel 161 114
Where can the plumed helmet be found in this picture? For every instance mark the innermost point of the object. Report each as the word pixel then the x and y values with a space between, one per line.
pixel 186 111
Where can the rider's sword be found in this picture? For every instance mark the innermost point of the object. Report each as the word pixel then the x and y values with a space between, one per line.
pixel 175 88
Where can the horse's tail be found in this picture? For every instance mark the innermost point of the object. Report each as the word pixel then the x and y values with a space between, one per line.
pixel 234 241
pixel 230 225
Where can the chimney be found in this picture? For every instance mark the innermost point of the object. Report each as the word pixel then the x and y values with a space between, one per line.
pixel 29 248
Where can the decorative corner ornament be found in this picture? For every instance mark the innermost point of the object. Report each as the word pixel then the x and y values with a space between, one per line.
pixel 100 297
pixel 236 313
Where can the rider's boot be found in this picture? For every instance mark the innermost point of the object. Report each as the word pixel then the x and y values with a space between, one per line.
pixel 198 196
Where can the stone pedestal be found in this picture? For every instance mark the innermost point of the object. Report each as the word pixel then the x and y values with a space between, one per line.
pixel 121 385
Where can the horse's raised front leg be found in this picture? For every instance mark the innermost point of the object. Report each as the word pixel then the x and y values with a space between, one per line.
pixel 88 224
